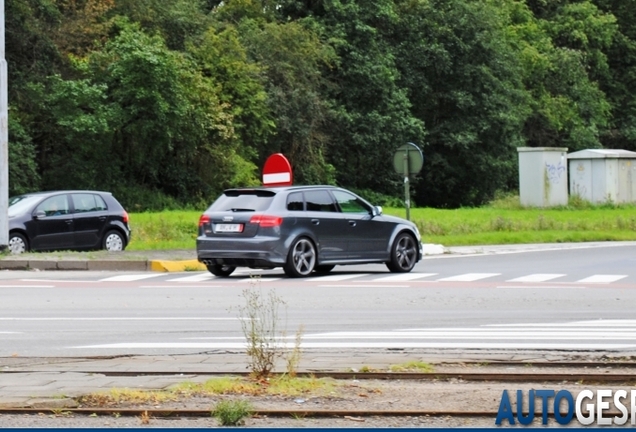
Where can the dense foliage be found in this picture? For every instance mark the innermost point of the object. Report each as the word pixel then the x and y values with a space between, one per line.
pixel 166 103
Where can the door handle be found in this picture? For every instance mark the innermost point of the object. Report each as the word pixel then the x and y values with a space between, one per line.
pixel 102 218
pixel 315 221
pixel 352 223
pixel 69 221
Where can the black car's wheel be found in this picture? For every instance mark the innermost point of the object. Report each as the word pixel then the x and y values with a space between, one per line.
pixel 324 268
pixel 403 254
pixel 114 241
pixel 18 243
pixel 221 270
pixel 301 259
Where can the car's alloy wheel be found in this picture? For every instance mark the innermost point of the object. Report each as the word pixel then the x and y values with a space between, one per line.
pixel 301 260
pixel 403 254
pixel 113 241
pixel 221 270
pixel 17 244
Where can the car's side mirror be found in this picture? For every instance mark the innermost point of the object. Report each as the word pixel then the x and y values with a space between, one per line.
pixel 39 214
pixel 377 211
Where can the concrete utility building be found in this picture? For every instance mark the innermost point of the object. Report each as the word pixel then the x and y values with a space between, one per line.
pixel 603 175
pixel 543 176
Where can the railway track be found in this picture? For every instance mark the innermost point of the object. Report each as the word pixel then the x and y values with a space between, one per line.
pixel 564 373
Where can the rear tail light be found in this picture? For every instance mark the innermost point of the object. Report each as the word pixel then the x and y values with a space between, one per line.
pixel 266 221
pixel 204 219
pixel 125 216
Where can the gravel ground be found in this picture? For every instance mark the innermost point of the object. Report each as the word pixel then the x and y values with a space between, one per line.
pixel 363 396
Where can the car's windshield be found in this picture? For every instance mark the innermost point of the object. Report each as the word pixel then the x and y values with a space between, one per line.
pixel 20 204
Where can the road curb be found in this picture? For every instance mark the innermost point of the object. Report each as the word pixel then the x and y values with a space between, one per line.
pixel 176 266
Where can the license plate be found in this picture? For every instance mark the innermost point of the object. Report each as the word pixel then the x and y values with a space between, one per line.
pixel 228 228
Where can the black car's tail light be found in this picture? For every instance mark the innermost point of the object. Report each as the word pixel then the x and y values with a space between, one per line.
pixel 125 216
pixel 203 220
pixel 266 221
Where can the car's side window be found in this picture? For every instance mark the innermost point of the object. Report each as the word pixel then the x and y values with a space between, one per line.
pixel 54 206
pixel 320 200
pixel 88 203
pixel 350 203
pixel 295 202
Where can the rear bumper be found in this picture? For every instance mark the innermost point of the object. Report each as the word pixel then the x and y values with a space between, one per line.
pixel 253 252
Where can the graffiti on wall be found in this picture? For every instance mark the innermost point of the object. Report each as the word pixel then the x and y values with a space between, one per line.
pixel 554 172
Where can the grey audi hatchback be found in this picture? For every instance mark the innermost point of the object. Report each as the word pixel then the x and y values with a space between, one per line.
pixel 303 229
pixel 67 220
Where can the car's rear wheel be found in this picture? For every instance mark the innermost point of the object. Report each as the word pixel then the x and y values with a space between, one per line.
pixel 221 270
pixel 114 241
pixel 324 268
pixel 403 254
pixel 301 259
pixel 18 243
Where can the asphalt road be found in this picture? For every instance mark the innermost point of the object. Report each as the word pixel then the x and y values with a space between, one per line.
pixel 570 299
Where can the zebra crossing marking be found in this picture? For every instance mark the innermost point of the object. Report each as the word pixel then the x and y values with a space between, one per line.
pixel 602 278
pixel 404 277
pixel 337 277
pixel 200 277
pixel 468 277
pixel 539 277
pixel 130 278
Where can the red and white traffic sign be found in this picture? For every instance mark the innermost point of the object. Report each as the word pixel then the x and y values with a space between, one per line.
pixel 277 171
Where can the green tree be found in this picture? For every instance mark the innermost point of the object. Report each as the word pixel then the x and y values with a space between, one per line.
pixel 464 81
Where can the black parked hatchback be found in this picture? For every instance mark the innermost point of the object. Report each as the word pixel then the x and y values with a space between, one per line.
pixel 302 229
pixel 67 220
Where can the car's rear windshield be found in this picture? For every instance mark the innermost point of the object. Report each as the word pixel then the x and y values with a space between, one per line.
pixel 243 201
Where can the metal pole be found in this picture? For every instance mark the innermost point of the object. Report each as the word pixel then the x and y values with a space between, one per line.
pixel 4 141
pixel 407 193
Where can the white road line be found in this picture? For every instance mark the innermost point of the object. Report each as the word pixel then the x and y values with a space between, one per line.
pixel 258 279
pixel 602 279
pixel 364 286
pixel 538 277
pixel 336 277
pixel 526 287
pixel 58 280
pixel 181 286
pixel 200 277
pixel 121 319
pixel 469 277
pixel 379 345
pixel 130 278
pixel 404 277
pixel 593 324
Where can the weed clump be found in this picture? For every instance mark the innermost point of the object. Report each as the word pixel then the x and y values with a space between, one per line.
pixel 232 412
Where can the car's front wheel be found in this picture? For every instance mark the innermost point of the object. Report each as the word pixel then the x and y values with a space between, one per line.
pixel 114 241
pixel 403 254
pixel 18 243
pixel 301 259
pixel 221 270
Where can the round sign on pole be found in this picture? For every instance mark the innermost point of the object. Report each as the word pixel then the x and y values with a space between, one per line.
pixel 277 171
pixel 414 157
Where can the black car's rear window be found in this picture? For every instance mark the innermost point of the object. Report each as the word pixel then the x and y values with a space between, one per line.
pixel 243 200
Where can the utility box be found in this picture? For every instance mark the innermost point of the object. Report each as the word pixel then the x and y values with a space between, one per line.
pixel 603 175
pixel 543 176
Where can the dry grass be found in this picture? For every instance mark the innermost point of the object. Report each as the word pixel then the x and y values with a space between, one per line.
pixel 280 385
